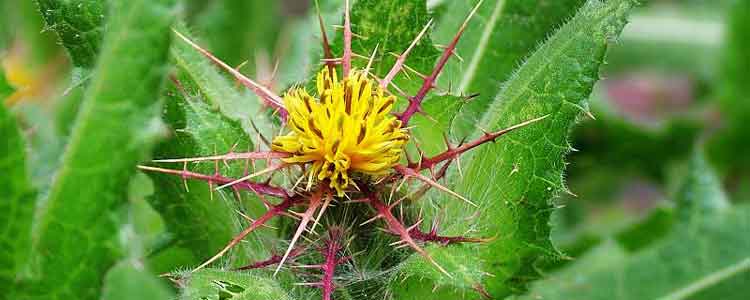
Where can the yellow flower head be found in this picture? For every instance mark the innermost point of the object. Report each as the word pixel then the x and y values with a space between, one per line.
pixel 349 128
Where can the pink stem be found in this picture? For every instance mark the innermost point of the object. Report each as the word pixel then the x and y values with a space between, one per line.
pixel 433 237
pixel 451 153
pixel 395 226
pixel 347 57
pixel 424 188
pixel 415 103
pixel 330 252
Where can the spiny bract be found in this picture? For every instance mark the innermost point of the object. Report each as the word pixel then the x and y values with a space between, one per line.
pixel 348 128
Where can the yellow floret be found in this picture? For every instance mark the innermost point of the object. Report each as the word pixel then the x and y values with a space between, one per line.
pixel 348 129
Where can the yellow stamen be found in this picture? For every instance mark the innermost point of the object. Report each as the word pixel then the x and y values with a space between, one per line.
pixel 348 128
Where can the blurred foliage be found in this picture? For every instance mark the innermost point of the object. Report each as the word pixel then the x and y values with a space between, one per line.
pixel 130 282
pixel 79 25
pixel 78 224
pixel 705 257
pixel 239 30
pixel 650 203
pixel 727 147
pixel 17 196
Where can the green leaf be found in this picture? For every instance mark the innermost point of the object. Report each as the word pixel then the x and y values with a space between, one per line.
pixel 126 281
pixel 391 25
pixel 200 222
pixel 514 179
pixel 210 284
pixel 669 42
pixel 726 149
pixel 79 25
pixel 16 200
pixel 236 30
pixel 700 193
pixel 78 226
pixel 606 253
pixel 706 257
pixel 222 94
pixel 734 87
pixel 206 113
pixel 648 231
pixel 431 128
pixel 5 88
pixel 496 41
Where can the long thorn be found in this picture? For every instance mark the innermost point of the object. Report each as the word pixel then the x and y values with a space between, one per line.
pixel 276 210
pixel 415 103
pixel 261 172
pixel 323 208
pixel 327 54
pixel 396 226
pixel 402 58
pixel 427 163
pixel 306 217
pixel 411 173
pixel 269 97
pixel 228 156
pixel 260 188
pixel 372 58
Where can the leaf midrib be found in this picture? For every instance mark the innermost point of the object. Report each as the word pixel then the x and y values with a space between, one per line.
pixel 709 280
pixel 483 40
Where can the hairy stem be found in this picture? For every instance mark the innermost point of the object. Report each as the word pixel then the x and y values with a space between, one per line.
pixel 331 251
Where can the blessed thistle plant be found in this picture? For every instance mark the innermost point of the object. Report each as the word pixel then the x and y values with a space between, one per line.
pixel 350 147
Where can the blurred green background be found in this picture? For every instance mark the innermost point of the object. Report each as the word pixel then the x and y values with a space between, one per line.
pixel 676 83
